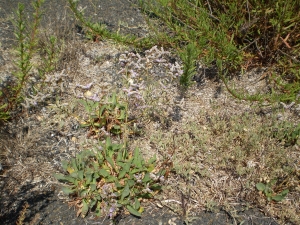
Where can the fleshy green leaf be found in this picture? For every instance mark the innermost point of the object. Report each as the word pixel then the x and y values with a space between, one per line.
pixel 75 175
pixel 85 208
pixel 80 174
pixel 89 178
pixel 133 211
pixel 110 161
pixel 64 164
pixel 137 160
pixel 64 178
pixel 284 192
pixel 117 127
pixel 155 187
pixel 83 193
pixel 116 147
pixel 146 178
pixel 260 186
pixel 118 185
pixel 134 171
pixel 152 160
pixel 110 179
pixel 67 191
pixel 277 198
pixel 137 204
pixel 125 192
pixel 74 164
pixel 114 99
pixel 125 170
pixel 131 183
pixel 93 203
pixel 93 187
pixel 103 173
pixel 122 115
pixel 280 196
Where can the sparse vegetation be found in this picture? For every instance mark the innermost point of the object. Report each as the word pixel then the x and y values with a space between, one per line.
pixel 237 36
pixel 202 147
pixel 24 84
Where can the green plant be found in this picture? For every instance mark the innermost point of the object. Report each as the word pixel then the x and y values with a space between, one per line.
pixel 189 57
pixel 240 35
pixel 12 94
pixel 287 132
pixel 14 91
pixel 112 115
pixel 97 31
pixel 269 193
pixel 109 178
pixel 49 55
pixel 27 42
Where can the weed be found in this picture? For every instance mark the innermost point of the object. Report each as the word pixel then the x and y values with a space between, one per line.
pixel 111 115
pixel 49 56
pixel 189 57
pixel 14 91
pixel 239 36
pixel 287 132
pixel 269 193
pixel 108 179
pixel 27 43
pixel 98 31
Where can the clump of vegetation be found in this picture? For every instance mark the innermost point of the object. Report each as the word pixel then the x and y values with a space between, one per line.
pixel 266 189
pixel 237 36
pixel 108 179
pixel 189 57
pixel 15 89
pixel 110 115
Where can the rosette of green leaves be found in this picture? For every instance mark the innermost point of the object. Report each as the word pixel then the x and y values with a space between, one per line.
pixel 109 179
pixel 111 115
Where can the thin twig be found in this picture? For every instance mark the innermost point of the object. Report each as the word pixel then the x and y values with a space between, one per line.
pixel 209 7
pixel 249 18
pixel 291 57
pixel 210 14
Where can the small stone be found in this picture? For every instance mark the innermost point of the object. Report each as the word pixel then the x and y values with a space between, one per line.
pixel 39 118
pixel 74 139
pixel 88 94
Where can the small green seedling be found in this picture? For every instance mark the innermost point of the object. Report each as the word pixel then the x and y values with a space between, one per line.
pixel 269 193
